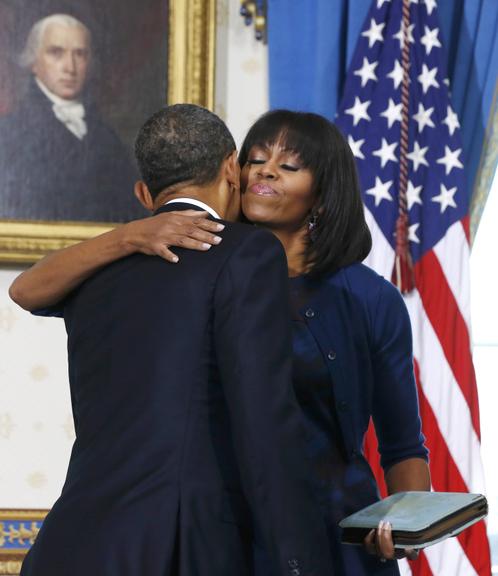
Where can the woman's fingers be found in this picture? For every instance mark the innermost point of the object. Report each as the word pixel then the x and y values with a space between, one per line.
pixel 194 233
pixel 166 253
pixel 380 543
pixel 189 229
pixel 384 541
pixel 188 242
pixel 200 220
pixel 369 543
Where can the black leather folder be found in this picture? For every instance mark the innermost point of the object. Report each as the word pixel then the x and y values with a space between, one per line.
pixel 418 519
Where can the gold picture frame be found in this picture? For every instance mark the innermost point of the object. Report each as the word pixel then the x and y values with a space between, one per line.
pixel 191 62
pixel 18 530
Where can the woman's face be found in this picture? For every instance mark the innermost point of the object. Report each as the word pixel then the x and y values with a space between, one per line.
pixel 276 188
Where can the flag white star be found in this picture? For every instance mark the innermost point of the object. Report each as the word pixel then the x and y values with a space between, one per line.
pixel 412 233
pixel 413 195
pixel 423 117
pixel 430 5
pixel 401 36
pixel 451 120
pixel 380 3
pixel 355 146
pixel 380 191
pixel 445 198
pixel 392 113
pixel 417 156
pixel 386 152
pixel 359 110
pixel 374 33
pixel 450 159
pixel 367 71
pixel 428 78
pixel 396 74
pixel 430 39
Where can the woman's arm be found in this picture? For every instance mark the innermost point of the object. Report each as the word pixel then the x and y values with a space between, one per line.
pixel 56 275
pixel 409 474
pixel 395 412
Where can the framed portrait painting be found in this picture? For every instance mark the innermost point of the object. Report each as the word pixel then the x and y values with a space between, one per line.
pixel 77 80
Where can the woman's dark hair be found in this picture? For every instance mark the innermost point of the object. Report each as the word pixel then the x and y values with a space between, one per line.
pixel 341 235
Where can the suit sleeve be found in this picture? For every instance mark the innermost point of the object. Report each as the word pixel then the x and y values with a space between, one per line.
pixel 252 335
pixel 395 402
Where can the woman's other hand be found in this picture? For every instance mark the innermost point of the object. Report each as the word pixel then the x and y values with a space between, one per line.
pixel 379 542
pixel 185 229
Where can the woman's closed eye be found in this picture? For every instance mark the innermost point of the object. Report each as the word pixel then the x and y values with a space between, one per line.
pixel 289 167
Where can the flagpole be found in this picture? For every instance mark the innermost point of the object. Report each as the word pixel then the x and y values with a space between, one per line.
pixel 402 274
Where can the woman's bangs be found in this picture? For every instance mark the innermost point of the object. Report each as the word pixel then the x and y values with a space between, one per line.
pixel 300 143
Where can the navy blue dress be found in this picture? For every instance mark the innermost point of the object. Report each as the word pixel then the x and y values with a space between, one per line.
pixel 342 486
pixel 352 361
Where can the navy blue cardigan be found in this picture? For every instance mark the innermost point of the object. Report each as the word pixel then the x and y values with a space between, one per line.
pixel 362 327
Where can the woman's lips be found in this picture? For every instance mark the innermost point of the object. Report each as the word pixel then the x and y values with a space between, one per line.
pixel 262 190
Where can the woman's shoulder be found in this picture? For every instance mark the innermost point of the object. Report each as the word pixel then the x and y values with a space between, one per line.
pixel 361 278
pixel 366 285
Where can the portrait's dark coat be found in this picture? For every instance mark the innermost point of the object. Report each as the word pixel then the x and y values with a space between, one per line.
pixel 188 434
pixel 47 173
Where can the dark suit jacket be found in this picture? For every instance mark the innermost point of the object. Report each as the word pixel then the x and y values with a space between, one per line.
pixel 47 173
pixel 188 435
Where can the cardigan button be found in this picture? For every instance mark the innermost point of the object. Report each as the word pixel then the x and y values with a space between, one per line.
pixel 343 406
pixel 310 313
pixel 331 355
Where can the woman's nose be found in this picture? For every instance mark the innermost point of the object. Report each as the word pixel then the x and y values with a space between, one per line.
pixel 267 171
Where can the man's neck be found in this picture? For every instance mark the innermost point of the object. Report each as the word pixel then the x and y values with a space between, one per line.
pixel 208 196
pixel 194 202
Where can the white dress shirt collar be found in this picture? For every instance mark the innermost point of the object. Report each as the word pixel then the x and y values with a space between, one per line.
pixel 195 202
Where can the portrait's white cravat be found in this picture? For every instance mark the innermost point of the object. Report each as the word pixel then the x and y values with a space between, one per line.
pixel 70 112
pixel 72 115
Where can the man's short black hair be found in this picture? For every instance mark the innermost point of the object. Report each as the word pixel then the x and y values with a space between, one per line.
pixel 182 143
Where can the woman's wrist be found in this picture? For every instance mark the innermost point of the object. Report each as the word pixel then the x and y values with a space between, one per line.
pixel 126 239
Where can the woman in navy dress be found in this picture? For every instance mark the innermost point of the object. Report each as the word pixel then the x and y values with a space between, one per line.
pixel 351 330
pixel 352 335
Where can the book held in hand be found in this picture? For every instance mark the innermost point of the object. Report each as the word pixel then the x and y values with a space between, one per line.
pixel 418 519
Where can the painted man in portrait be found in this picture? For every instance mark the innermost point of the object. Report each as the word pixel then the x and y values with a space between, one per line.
pixel 58 159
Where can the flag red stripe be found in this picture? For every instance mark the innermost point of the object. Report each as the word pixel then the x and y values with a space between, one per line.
pixel 446 477
pixel 466 226
pixel 450 327
pixel 420 567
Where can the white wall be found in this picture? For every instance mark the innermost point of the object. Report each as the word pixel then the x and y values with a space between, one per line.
pixel 241 74
pixel 36 430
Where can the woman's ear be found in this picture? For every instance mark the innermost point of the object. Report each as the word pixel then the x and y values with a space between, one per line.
pixel 142 193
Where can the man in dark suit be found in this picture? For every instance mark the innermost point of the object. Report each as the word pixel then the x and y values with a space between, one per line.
pixel 58 159
pixel 188 437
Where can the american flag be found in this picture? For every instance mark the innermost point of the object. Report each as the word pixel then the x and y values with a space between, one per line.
pixel 437 205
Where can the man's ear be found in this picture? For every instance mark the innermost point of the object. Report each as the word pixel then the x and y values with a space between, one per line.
pixel 143 195
pixel 232 170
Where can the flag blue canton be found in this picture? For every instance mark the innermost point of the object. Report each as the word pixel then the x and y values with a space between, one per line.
pixel 370 116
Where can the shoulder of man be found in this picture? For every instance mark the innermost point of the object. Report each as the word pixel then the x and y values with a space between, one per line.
pixel 238 235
